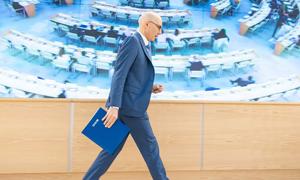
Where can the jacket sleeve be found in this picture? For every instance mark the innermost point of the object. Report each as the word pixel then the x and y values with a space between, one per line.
pixel 125 58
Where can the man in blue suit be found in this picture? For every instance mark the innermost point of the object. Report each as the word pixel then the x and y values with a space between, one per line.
pixel 130 93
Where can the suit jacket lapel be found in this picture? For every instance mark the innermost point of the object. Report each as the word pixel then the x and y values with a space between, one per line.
pixel 143 46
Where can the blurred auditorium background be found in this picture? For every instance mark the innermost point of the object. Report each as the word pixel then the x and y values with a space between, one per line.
pixel 233 50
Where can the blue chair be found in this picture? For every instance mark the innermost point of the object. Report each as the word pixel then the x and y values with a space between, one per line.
pixel 137 3
pixel 193 42
pixel 161 46
pixel 175 19
pixel 110 41
pixel 177 44
pixel 162 4
pixel 134 17
pixel 121 16
pixel 149 3
pixel 106 13
pixel 124 2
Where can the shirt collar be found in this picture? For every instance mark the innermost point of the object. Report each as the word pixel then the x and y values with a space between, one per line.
pixel 144 38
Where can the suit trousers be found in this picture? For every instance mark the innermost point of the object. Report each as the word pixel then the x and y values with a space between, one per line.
pixel 146 142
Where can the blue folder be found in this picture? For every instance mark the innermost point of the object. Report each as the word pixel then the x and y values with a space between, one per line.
pixel 108 139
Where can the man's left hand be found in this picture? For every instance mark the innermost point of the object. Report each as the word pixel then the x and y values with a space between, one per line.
pixel 157 88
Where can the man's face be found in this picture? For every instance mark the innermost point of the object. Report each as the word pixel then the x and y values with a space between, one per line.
pixel 153 29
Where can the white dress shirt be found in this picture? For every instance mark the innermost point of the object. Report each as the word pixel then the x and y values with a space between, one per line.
pixel 144 38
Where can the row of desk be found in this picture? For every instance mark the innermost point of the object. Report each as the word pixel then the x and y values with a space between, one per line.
pixel 209 59
pixel 256 18
pixel 28 5
pixel 184 34
pixel 51 88
pixel 146 3
pixel 41 44
pixel 218 6
pixel 104 59
pixel 253 92
pixel 48 87
pixel 32 42
pixel 29 83
pixel 289 38
pixel 180 15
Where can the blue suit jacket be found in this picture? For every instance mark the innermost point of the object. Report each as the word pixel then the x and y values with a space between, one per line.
pixel 133 78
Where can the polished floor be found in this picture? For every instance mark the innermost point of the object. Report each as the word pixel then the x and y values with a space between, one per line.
pixel 173 175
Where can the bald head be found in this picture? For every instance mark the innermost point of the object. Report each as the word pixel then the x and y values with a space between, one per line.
pixel 149 16
pixel 150 25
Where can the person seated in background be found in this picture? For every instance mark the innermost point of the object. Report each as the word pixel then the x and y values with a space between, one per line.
pixel 74 29
pixel 211 88
pixel 294 13
pixel 191 2
pixel 62 94
pixel 281 20
pixel 92 32
pixel 221 41
pixel 174 37
pixel 61 51
pixel 82 58
pixel 18 7
pixel 162 38
pixel 274 6
pixel 221 34
pixel 112 33
pixel 298 42
pixel 241 82
pixel 282 31
pixel 196 66
pixel 57 2
pixel 234 5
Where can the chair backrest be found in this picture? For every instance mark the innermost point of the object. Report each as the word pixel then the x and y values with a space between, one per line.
pixel 84 60
pixel 124 1
pixel 163 4
pixel 90 38
pixel 175 18
pixel 221 44
pixel 196 66
pixel 64 27
pixel 136 1
pixel 110 40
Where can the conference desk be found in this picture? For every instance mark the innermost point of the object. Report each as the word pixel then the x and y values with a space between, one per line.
pixel 67 20
pixel 213 11
pixel 218 6
pixel 28 41
pixel 29 9
pixel 287 40
pixel 28 6
pixel 255 19
pixel 110 11
pixel 30 84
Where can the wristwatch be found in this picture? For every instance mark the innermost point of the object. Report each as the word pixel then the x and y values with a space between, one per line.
pixel 114 107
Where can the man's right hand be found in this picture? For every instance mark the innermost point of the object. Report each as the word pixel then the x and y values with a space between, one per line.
pixel 110 118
